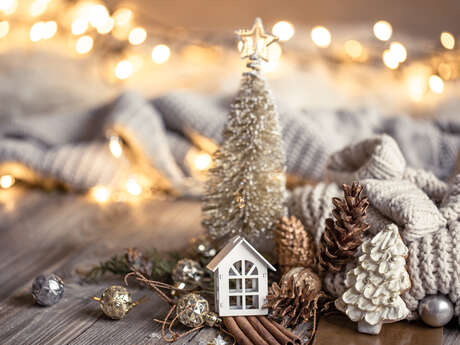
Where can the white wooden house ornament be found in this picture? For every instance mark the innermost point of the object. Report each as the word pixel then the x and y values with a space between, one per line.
pixel 240 279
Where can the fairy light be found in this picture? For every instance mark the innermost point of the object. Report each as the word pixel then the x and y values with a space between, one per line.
pixel 390 60
pixel 383 30
pixel 79 26
pixel 106 27
pixel 37 31
pixel 123 17
pixel 98 15
pixel 4 28
pixel 161 53
pixel 133 187
pixel 8 7
pixel 284 30
pixel 137 36
pixel 7 181
pixel 84 44
pixel 124 69
pixel 321 36
pixel 100 193
pixel 398 51
pixel 447 40
pixel 436 84
pixel 115 146
pixel 38 7
pixel 202 161
pixel 354 49
pixel 49 30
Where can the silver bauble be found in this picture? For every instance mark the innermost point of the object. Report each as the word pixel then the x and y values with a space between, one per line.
pixel 189 272
pixel 436 310
pixel 47 290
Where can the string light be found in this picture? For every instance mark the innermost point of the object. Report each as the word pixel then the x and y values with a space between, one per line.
pixel 98 15
pixel 161 53
pixel 123 69
pixel 383 30
pixel 84 44
pixel 283 30
pixel 36 31
pixel 354 49
pixel 436 84
pixel 49 30
pixel 79 26
pixel 321 36
pixel 100 194
pixel 202 161
pixel 137 36
pixel 115 146
pixel 8 7
pixel 38 7
pixel 398 51
pixel 7 181
pixel 106 27
pixel 133 187
pixel 4 28
pixel 447 40
pixel 123 17
pixel 390 60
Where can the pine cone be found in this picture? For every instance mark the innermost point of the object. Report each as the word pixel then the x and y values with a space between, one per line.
pixel 344 235
pixel 294 245
pixel 297 297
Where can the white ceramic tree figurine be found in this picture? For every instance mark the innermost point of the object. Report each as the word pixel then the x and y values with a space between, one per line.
pixel 374 286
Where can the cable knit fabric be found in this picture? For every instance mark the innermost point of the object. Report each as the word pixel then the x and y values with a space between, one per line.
pixel 71 148
pixel 425 209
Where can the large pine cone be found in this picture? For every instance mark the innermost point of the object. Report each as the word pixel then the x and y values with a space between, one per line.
pixel 295 299
pixel 294 245
pixel 344 235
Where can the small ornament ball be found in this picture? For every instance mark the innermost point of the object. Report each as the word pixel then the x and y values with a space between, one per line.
pixel 192 310
pixel 189 272
pixel 436 310
pixel 47 290
pixel 115 302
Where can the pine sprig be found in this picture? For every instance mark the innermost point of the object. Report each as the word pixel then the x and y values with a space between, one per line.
pixel 155 265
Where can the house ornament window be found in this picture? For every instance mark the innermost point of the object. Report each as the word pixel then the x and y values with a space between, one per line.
pixel 243 285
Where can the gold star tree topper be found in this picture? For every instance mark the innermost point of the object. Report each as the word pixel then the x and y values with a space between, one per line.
pixel 255 42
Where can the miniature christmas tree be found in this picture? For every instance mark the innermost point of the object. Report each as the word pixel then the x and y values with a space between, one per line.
pixel 246 189
pixel 374 286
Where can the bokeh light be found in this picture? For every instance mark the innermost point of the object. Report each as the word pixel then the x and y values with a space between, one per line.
pixel 354 49
pixel 398 51
pixel 124 69
pixel 321 36
pixel 436 84
pixel 137 36
pixel 4 28
pixel 383 30
pixel 390 60
pixel 161 53
pixel 447 40
pixel 84 44
pixel 283 30
pixel 7 181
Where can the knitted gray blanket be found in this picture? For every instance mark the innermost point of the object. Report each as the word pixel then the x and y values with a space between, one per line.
pixel 72 148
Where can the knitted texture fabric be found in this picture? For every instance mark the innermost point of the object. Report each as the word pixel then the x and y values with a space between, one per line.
pixel 425 209
pixel 71 148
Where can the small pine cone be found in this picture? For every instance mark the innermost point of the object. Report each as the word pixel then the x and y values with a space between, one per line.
pixel 344 235
pixel 296 299
pixel 294 245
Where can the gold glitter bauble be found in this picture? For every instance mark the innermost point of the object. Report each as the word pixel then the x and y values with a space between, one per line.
pixel 192 310
pixel 115 302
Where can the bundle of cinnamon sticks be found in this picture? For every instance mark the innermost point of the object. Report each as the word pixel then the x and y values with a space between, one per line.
pixel 258 330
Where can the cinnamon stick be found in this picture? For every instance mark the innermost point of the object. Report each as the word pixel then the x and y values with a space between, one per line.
pixel 280 336
pixel 233 328
pixel 288 333
pixel 263 331
pixel 249 330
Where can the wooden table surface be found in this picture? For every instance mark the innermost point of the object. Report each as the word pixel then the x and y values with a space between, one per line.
pixel 53 232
